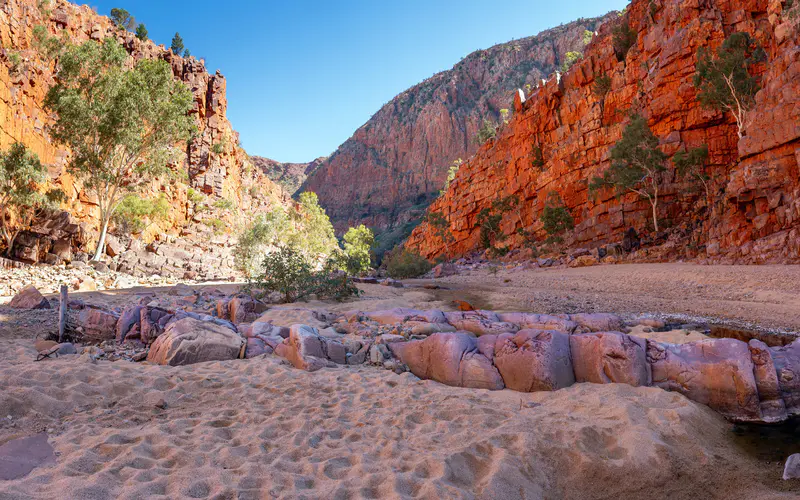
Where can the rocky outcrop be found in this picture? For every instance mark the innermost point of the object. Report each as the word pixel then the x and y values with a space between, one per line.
pixel 188 341
pixel 29 298
pixel 213 165
pixel 397 162
pixel 289 176
pixel 754 214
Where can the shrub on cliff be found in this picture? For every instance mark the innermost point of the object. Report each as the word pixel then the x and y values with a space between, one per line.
pixel 141 32
pixel 556 218
pixel 22 177
pixel 623 37
pixel 122 123
pixel 636 165
pixel 489 219
pixel 569 60
pixel 692 165
pixel 289 273
pixel 602 85
pixel 487 131
pixel 723 80
pixel 134 212
pixel 404 264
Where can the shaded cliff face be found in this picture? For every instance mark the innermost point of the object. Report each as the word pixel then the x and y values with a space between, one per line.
pixel 755 180
pixel 290 176
pixel 400 157
pixel 214 164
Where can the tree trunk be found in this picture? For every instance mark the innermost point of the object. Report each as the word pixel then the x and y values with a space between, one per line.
pixel 655 215
pixel 10 242
pixel 101 244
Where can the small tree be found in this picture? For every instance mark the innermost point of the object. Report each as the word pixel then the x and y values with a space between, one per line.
pixel 587 37
pixel 141 32
pixel 636 165
pixel 487 131
pixel 723 79
pixel 441 228
pixel 358 242
pixel 21 178
pixel 187 54
pixel 692 164
pixel 451 174
pixel 602 85
pixel 569 59
pixel 122 19
pixel 623 37
pixel 313 234
pixel 402 263
pixel 556 218
pixel 121 123
pixel 177 44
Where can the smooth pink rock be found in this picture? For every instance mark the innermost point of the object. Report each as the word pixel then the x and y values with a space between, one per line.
pixel 479 322
pixel 534 360
pixel 29 298
pixel 773 408
pixel 610 358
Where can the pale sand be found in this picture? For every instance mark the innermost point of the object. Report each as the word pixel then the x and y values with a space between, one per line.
pixel 670 337
pixel 261 429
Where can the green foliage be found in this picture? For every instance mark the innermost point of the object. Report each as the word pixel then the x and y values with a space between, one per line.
pixel 48 45
pixel 288 272
pixel 304 228
pixel 504 115
pixel 122 19
pixel 556 218
pixel 225 204
pixel 141 32
pixel 187 54
pixel 489 220
pixel 636 165
pixel 15 60
pixel 22 176
pixel 602 86
pixel 537 158
pixel 195 198
pixel 404 264
pixel 692 165
pixel 218 148
pixel 451 174
pixel 587 36
pixel 358 242
pixel 487 131
pixel 177 44
pixel 623 37
pixel 134 213
pixel 441 228
pixel 723 80
pixel 569 59
pixel 122 123
pixel 218 225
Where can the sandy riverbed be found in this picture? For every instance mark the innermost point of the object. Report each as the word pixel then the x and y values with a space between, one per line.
pixel 261 429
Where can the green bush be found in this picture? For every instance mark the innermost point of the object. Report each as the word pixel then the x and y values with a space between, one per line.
pixel 489 220
pixel 537 158
pixel 218 225
pixel 134 213
pixel 141 32
pixel 402 264
pixel 623 38
pixel 556 218
pixel 569 60
pixel 218 148
pixel 225 204
pixel 289 273
pixel 487 131
pixel 602 86
pixel 587 36
pixel 358 242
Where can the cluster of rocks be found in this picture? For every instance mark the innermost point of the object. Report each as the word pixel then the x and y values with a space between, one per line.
pixel 744 381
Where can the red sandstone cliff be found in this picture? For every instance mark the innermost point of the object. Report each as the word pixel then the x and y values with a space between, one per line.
pixel 757 216
pixel 290 176
pixel 400 157
pixel 215 164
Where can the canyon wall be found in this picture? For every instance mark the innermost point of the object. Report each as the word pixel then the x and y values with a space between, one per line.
pixel 290 176
pixel 755 181
pixel 397 162
pixel 214 163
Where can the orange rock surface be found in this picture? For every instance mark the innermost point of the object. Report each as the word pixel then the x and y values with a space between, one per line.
pixel 755 180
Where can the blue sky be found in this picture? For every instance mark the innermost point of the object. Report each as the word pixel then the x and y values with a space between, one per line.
pixel 303 75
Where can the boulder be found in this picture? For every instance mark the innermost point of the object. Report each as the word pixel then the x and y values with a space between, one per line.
pixel 152 322
pixel 257 347
pixel 444 269
pixel 792 468
pixel 402 315
pixel 597 322
pixel 29 298
pixel 529 321
pixel 787 367
pixel 773 408
pixel 128 323
pixel 610 358
pixel 244 309
pixel 188 341
pixel 97 324
pixel 306 349
pixel 715 372
pixel 534 360
pixel 450 358
pixel 479 322
pixel 425 328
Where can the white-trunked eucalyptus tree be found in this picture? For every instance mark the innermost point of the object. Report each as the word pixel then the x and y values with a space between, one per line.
pixel 123 121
